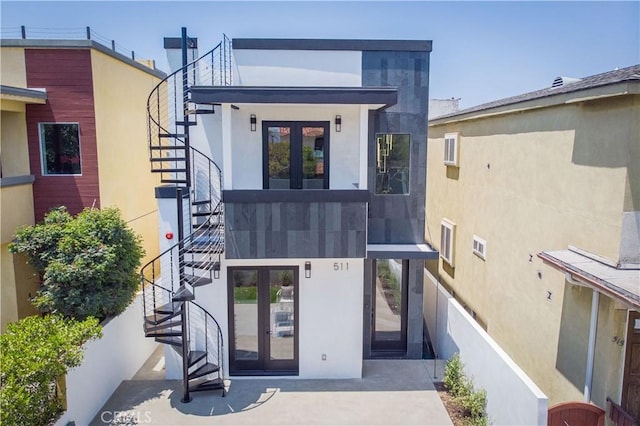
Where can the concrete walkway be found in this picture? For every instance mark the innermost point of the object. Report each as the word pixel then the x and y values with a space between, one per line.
pixel 391 392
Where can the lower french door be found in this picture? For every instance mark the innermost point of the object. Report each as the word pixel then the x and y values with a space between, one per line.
pixel 263 320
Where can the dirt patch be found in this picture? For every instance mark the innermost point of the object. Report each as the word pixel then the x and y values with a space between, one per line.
pixel 456 413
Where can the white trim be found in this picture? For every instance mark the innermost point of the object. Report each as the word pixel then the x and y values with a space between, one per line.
pixel 227 166
pixel 447 248
pixel 42 165
pixel 364 147
pixel 479 247
pixel 451 155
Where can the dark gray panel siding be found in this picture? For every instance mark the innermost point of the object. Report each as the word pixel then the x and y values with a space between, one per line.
pixel 399 218
pixel 295 230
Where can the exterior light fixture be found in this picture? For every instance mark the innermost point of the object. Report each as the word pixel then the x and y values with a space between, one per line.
pixel 252 120
pixel 307 269
pixel 216 270
pixel 338 123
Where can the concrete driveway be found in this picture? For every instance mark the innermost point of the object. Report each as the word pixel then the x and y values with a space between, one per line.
pixel 391 392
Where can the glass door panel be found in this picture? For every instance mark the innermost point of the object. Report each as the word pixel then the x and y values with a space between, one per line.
pixel 313 157
pixel 389 301
pixel 281 315
pixel 278 157
pixel 245 315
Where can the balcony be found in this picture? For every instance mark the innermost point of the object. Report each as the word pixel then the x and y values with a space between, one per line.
pixel 275 224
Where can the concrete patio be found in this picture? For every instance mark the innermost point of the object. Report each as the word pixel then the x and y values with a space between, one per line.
pixel 398 392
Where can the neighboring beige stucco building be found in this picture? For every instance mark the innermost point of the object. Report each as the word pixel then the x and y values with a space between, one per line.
pixel 528 177
pixel 103 93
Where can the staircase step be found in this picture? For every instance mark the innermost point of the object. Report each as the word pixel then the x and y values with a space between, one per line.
pixel 205 226
pixel 160 318
pixel 148 328
pixel 200 202
pixel 173 180
pixel 195 356
pixel 163 333
pixel 205 369
pixel 206 265
pixel 186 123
pixel 168 170
pixel 166 147
pixel 200 214
pixel 208 385
pixel 172 135
pixel 183 294
pixel 173 341
pixel 204 111
pixel 167 159
pixel 169 308
pixel 195 281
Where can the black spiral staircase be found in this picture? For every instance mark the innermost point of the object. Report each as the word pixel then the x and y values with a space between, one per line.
pixel 169 282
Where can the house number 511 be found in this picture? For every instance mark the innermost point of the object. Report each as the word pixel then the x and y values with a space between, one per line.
pixel 340 266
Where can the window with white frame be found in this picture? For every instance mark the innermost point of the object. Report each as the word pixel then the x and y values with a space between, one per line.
pixel 447 238
pixel 60 148
pixel 479 247
pixel 451 149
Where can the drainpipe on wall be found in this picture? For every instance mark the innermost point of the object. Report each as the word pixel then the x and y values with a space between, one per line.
pixel 591 349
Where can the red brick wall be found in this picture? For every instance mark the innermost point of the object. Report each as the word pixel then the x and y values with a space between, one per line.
pixel 66 74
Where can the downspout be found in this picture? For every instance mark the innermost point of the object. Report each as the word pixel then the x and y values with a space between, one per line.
pixel 591 348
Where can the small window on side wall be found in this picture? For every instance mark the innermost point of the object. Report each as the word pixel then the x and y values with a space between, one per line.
pixel 451 149
pixel 447 238
pixel 479 247
pixel 392 163
pixel 60 148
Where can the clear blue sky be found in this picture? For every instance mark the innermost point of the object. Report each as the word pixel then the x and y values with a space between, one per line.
pixel 482 51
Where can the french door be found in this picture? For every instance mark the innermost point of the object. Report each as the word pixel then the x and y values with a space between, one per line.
pixel 263 320
pixel 295 154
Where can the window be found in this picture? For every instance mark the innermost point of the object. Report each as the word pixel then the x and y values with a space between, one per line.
pixel 392 163
pixel 447 236
pixel 296 155
pixel 60 148
pixel 451 149
pixel 479 247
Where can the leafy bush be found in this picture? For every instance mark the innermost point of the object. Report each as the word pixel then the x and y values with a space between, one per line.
pixel 34 353
pixel 453 375
pixel 474 403
pixel 88 264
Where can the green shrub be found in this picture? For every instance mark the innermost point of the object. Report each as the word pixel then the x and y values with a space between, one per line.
pixel 88 264
pixel 453 375
pixel 34 353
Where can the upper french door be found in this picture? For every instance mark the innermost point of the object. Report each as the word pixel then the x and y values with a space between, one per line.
pixel 263 320
pixel 295 154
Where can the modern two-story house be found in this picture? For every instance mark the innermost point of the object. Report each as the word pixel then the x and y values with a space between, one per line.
pixel 299 167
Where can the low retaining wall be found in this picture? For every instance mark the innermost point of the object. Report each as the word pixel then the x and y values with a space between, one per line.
pixel 512 397
pixel 107 362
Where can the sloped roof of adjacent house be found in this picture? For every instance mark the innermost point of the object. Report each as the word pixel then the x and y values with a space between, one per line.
pixel 622 75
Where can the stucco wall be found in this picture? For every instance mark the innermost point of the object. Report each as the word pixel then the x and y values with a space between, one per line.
pixel 120 96
pixel 528 182
pixel 297 68
pixel 12 67
pixel 14 148
pixel 512 397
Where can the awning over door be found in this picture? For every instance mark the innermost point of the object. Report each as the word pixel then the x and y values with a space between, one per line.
pixel 401 251
pixel 617 283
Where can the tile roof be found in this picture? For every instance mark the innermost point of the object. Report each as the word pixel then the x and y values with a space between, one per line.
pixel 631 73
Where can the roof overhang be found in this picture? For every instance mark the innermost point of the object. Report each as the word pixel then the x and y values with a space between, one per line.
pixel 587 269
pixel 401 251
pixel 23 95
pixel 376 96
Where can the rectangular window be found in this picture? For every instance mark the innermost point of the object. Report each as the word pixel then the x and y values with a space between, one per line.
pixel 392 163
pixel 479 247
pixel 451 149
pixel 60 148
pixel 447 238
pixel 296 155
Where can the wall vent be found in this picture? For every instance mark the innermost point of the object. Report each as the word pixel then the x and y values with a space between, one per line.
pixel 563 81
